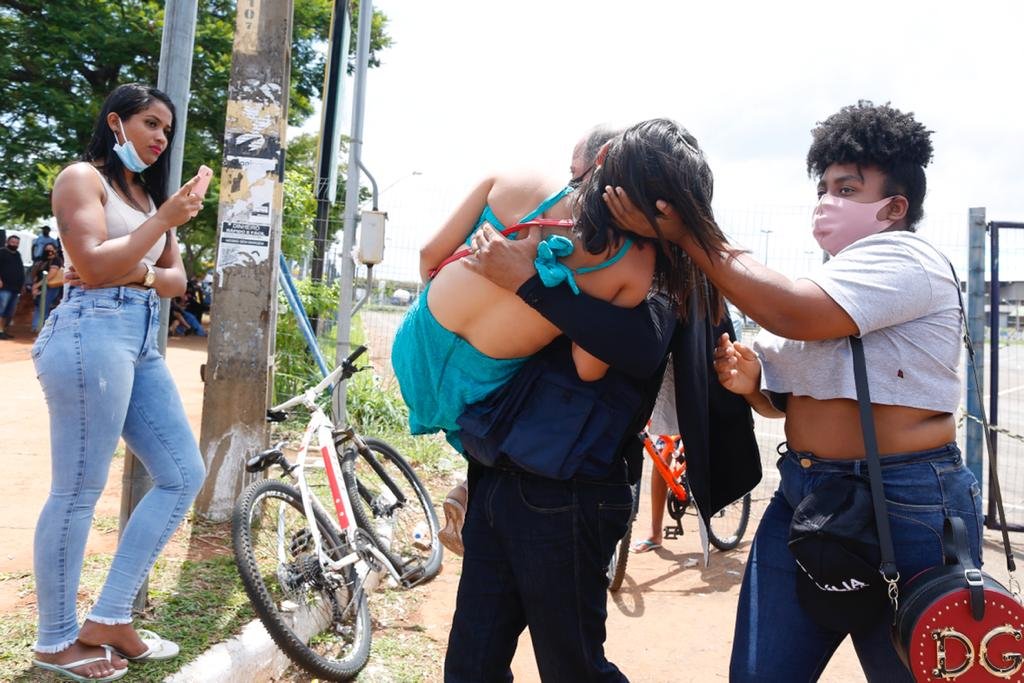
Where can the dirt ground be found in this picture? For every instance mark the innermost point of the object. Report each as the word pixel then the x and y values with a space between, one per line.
pixel 672 620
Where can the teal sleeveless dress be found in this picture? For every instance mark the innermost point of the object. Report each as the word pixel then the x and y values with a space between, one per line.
pixel 440 373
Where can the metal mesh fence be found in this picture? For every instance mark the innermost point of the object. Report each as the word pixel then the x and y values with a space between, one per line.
pixel 776 235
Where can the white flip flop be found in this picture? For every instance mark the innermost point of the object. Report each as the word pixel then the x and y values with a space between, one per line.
pixel 65 670
pixel 157 648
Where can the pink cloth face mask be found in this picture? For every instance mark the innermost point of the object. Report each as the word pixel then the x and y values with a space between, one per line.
pixel 839 222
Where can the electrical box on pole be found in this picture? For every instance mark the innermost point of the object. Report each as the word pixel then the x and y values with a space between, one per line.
pixel 371 237
pixel 243 317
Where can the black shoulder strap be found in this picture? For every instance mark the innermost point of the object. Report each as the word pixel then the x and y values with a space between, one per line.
pixel 867 424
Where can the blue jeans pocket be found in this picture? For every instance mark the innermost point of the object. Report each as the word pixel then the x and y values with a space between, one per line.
pixel 45 335
pixel 545 496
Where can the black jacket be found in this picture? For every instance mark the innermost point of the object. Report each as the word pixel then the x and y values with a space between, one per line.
pixel 722 457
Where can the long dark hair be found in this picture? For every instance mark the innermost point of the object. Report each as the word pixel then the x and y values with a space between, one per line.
pixel 652 160
pixel 126 101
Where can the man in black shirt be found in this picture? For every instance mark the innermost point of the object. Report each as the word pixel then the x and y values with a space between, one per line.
pixel 12 280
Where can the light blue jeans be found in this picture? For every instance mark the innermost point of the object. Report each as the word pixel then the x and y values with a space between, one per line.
pixel 775 639
pixel 103 376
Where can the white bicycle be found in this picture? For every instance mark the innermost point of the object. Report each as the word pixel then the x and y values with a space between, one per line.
pixel 310 552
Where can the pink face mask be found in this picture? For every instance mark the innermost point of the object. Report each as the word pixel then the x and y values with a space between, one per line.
pixel 839 222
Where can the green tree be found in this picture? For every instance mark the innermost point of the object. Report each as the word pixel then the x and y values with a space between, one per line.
pixel 61 59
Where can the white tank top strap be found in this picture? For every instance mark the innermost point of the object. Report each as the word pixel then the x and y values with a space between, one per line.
pixel 123 218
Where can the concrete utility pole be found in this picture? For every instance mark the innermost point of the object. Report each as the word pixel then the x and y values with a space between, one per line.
pixel 355 150
pixel 174 78
pixel 244 313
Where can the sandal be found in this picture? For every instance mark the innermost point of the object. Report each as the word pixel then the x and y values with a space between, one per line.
pixel 65 670
pixel 454 517
pixel 644 546
pixel 157 648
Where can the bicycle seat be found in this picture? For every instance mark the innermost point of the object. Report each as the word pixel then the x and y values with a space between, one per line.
pixel 262 461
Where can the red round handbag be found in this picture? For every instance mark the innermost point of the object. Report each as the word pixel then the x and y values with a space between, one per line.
pixel 955 622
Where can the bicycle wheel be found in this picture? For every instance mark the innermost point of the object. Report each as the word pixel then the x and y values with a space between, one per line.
pixel 321 620
pixel 727 526
pixel 617 565
pixel 391 504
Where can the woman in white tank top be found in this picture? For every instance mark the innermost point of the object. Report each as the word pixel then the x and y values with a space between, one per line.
pixel 104 378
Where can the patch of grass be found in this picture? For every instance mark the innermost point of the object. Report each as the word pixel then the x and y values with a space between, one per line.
pixel 106 524
pixel 195 599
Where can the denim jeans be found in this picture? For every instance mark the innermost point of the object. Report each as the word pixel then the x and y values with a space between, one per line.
pixel 775 640
pixel 104 378
pixel 8 304
pixel 536 554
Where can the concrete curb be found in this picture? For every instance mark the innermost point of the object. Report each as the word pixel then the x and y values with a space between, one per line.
pixel 250 657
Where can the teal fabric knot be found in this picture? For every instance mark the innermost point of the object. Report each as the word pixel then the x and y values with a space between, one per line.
pixel 552 272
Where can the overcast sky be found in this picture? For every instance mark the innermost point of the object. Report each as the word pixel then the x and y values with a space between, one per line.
pixel 474 86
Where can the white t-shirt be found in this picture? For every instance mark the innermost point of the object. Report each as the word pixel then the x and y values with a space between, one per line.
pixel 901 293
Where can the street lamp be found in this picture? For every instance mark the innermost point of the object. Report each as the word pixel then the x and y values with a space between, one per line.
pixel 766 233
pixel 407 175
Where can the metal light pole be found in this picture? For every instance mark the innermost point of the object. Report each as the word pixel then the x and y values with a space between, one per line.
pixel 766 233
pixel 174 78
pixel 407 175
pixel 355 150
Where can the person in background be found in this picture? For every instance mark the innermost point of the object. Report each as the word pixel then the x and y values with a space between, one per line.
pixel 895 290
pixel 12 281
pixel 195 299
pixel 48 270
pixel 40 243
pixel 104 378
pixel 665 423
pixel 182 321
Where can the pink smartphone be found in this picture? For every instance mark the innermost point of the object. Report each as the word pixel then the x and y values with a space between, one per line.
pixel 204 174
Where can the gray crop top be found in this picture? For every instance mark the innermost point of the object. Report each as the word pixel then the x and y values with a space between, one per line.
pixel 900 292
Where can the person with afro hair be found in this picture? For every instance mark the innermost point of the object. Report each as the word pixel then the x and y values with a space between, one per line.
pixel 892 288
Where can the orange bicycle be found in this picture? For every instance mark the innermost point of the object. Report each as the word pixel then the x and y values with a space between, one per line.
pixel 725 528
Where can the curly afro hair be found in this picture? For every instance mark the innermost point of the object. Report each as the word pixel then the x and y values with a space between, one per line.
pixel 867 134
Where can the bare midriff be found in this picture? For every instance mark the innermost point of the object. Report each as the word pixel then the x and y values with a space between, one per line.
pixel 831 429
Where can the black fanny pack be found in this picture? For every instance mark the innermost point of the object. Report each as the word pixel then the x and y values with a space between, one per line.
pixel 548 422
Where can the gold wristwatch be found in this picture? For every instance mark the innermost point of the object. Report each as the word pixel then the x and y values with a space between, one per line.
pixel 150 276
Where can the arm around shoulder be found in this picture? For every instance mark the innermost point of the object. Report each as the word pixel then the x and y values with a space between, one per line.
pixel 455 229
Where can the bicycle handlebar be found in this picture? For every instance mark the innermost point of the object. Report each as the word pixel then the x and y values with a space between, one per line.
pixel 344 371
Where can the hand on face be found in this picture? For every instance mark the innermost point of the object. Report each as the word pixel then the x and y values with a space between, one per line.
pixel 630 218
pixel 737 366
pixel 507 263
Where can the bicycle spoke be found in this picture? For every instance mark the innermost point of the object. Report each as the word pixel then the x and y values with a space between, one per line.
pixel 317 615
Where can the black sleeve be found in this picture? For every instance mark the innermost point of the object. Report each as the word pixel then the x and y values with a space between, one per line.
pixel 632 340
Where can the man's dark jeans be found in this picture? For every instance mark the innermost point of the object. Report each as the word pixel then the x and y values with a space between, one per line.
pixel 536 553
